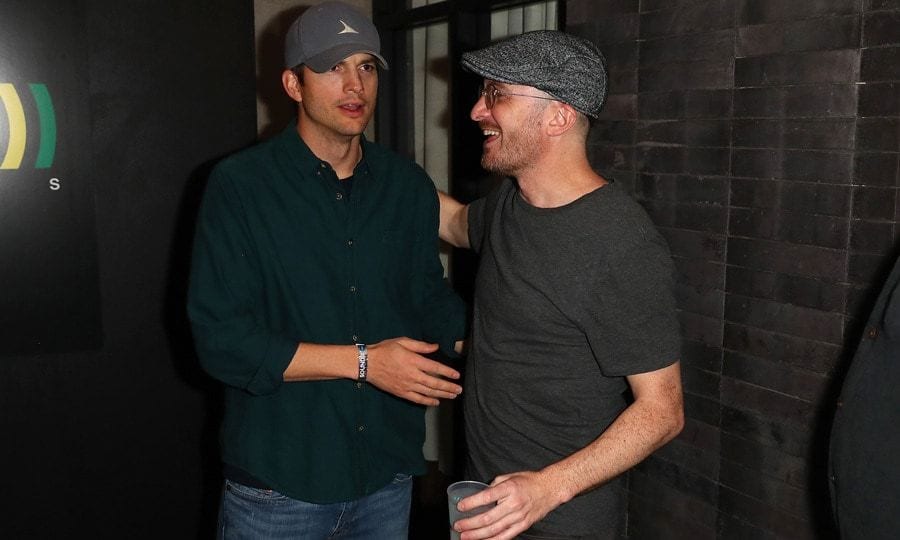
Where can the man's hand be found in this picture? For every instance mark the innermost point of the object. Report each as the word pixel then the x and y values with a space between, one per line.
pixel 398 367
pixel 522 499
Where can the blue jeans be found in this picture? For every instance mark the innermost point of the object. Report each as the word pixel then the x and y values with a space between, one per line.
pixel 258 514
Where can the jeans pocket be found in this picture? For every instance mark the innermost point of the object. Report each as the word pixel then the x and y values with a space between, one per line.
pixel 252 493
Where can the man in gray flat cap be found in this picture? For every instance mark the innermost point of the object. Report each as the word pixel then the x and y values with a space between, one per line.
pixel 310 246
pixel 572 376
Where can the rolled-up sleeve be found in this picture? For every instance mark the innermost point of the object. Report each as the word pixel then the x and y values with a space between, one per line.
pixel 225 298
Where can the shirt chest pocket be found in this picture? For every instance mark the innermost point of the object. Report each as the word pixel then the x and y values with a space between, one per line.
pixel 397 255
pixel 392 237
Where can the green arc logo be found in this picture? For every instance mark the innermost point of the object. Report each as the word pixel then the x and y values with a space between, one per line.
pixel 15 113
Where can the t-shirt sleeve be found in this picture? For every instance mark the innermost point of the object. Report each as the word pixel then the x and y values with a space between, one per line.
pixel 481 212
pixel 632 320
pixel 476 224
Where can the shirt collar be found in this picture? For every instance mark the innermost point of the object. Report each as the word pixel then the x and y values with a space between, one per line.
pixel 308 162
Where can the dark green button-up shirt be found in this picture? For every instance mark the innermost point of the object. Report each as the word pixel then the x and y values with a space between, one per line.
pixel 282 256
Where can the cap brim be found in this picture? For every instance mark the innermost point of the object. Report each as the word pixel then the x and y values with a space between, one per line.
pixel 488 72
pixel 326 60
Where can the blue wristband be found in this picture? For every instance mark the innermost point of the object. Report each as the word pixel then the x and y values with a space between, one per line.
pixel 363 356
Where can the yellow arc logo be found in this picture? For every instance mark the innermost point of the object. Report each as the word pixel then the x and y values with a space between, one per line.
pixel 18 131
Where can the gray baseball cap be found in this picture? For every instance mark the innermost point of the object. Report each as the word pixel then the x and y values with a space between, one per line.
pixel 327 33
pixel 567 67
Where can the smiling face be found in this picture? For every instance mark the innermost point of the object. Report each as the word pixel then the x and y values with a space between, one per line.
pixel 512 128
pixel 338 103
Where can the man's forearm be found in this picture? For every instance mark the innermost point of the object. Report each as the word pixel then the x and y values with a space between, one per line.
pixel 396 366
pixel 315 362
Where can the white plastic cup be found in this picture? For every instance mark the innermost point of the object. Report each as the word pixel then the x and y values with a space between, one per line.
pixel 458 491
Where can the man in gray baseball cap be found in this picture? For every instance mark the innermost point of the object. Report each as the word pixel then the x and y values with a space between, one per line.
pixel 326 34
pixel 574 308
pixel 316 293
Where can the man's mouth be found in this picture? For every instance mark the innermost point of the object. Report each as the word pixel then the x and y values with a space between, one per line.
pixel 353 108
pixel 490 133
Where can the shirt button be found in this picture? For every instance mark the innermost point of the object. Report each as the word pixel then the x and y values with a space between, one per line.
pixel 355 338
pixel 360 428
pixel 359 385
pixel 338 195
pixel 873 333
pixel 352 288
pixel 350 242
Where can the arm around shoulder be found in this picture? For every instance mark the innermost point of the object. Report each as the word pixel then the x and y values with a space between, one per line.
pixel 454 227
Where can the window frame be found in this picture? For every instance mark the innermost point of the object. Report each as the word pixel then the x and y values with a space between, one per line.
pixel 469 28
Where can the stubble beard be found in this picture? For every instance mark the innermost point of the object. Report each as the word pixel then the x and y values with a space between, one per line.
pixel 517 149
pixel 328 121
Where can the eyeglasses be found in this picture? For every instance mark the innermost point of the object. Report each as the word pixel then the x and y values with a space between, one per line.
pixel 491 93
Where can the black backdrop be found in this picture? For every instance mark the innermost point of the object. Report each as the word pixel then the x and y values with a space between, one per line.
pixel 48 277
pixel 108 427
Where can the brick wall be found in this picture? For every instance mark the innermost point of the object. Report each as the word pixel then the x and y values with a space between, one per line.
pixel 762 136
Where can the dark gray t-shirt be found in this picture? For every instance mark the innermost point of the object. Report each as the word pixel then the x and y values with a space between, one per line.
pixel 568 301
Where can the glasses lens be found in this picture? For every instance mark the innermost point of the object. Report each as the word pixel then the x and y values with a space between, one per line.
pixel 489 95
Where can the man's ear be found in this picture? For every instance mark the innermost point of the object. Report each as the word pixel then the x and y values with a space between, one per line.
pixel 563 118
pixel 292 85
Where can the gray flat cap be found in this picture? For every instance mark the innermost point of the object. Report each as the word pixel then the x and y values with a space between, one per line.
pixel 327 33
pixel 567 67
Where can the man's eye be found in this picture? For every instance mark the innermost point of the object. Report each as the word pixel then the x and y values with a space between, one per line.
pixel 367 67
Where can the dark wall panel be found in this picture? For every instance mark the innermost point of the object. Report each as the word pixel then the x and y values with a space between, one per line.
pixel 116 437
pixel 762 137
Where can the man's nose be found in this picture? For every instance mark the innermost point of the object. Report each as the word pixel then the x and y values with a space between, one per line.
pixel 353 83
pixel 479 110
